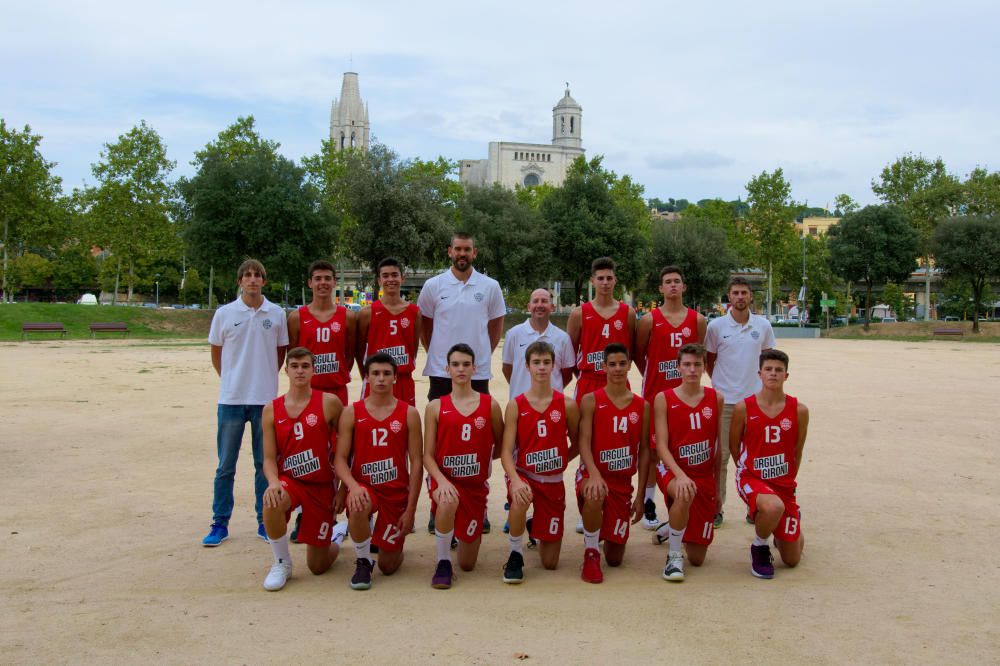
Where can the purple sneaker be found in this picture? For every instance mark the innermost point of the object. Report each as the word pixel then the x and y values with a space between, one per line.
pixel 761 562
pixel 442 576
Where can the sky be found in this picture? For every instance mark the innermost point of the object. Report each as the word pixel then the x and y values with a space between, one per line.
pixel 690 99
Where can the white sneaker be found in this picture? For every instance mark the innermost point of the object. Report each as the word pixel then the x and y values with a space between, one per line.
pixel 674 571
pixel 579 526
pixel 339 532
pixel 278 576
pixel 658 538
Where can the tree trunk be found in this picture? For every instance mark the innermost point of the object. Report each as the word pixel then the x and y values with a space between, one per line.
pixel 6 293
pixel 927 288
pixel 770 268
pixel 977 293
pixel 131 280
pixel 868 306
pixel 118 274
pixel 211 281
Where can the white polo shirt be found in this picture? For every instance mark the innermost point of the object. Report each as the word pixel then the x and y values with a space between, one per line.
pixel 461 312
pixel 249 339
pixel 738 347
pixel 517 340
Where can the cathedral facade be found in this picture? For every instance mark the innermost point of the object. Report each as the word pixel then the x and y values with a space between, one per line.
pixel 514 164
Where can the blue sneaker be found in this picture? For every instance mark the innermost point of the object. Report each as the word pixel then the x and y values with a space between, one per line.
pixel 216 535
pixel 262 533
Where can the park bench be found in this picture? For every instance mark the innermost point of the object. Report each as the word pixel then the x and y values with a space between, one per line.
pixel 108 327
pixel 42 327
pixel 942 332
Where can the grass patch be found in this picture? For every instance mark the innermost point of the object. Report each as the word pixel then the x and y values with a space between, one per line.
pixel 917 331
pixel 142 322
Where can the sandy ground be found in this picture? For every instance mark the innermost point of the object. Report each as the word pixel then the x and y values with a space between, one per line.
pixel 108 452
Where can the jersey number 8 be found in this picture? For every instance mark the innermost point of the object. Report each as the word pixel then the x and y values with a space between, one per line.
pixel 466 432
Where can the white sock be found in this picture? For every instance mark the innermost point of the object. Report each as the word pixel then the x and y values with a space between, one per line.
pixel 516 543
pixel 280 549
pixel 591 539
pixel 674 539
pixel 363 549
pixel 442 540
pixel 757 541
pixel 651 493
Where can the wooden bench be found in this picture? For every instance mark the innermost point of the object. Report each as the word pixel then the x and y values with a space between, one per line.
pixel 108 327
pixel 941 332
pixel 42 327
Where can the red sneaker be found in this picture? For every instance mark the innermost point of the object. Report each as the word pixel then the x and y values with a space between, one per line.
pixel 592 566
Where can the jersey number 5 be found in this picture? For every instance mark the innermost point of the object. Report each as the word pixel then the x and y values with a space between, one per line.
pixel 393 330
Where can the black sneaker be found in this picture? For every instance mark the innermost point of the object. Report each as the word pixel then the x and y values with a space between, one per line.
pixel 430 525
pixel 442 575
pixel 513 571
pixel 362 578
pixel 649 519
pixel 295 530
pixel 486 525
pixel 717 523
pixel 527 530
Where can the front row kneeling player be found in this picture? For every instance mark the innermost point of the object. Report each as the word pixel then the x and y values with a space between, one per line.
pixel 539 440
pixel 767 437
pixel 614 431
pixel 297 452
pixel 378 460
pixel 687 442
pixel 461 430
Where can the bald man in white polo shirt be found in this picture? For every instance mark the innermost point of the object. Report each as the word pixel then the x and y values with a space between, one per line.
pixel 538 327
pixel 460 305
pixel 734 343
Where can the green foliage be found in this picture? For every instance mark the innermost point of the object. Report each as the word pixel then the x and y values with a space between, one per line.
pixel 845 205
pixel 982 193
pixel 723 215
pixel 512 242
pixel 893 296
pixel 874 245
pixel 700 250
pixel 922 189
pixel 769 222
pixel 31 271
pixel 74 271
pixel 671 205
pixel 533 196
pixel 968 248
pixel 142 322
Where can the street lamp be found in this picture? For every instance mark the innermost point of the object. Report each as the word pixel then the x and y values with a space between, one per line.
pixel 157 283
pixel 802 292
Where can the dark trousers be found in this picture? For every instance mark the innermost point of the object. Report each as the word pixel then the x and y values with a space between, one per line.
pixel 442 386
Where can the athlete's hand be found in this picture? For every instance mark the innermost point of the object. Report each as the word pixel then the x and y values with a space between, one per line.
pixel 686 488
pixel 405 523
pixel 274 496
pixel 340 500
pixel 595 488
pixel 358 500
pixel 639 506
pixel 445 493
pixel 519 490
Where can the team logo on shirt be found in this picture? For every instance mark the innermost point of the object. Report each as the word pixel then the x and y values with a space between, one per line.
pixel 301 464
pixel 617 459
pixel 405 322
pixel 633 417
pixel 395 426
pixel 686 332
pixel 707 412
pixel 755 334
pixel 266 324
pixel 786 424
pixel 335 327
pixel 312 419
pixel 479 297
pixel 480 422
pixel 556 416
pixel 619 325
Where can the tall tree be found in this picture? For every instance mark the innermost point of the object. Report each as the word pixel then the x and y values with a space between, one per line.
pixel 925 192
pixel 982 193
pixel 28 193
pixel 723 215
pixel 845 205
pixel 873 245
pixel 128 210
pixel 968 248
pixel 698 248
pixel 592 214
pixel 769 221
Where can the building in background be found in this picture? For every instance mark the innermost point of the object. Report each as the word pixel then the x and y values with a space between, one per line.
pixel 349 126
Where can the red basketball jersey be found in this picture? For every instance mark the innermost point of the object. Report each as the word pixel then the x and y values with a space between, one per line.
pixel 465 443
pixel 596 333
pixel 694 433
pixel 616 435
pixel 767 450
pixel 305 442
pixel 662 371
pixel 381 450
pixel 542 448
pixel 396 335
pixel 327 340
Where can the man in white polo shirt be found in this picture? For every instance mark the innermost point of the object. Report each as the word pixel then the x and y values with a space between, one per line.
pixel 734 343
pixel 538 327
pixel 248 338
pixel 460 305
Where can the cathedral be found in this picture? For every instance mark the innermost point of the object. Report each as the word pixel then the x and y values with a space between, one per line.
pixel 515 164
pixel 349 126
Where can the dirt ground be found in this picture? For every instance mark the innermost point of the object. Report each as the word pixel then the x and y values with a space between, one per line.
pixel 108 453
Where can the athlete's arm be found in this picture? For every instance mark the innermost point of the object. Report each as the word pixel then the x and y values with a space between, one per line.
pixel 573 326
pixel 495 330
pixel 361 339
pixel 445 489
pixel 274 494
pixel 293 328
pixel 595 487
pixel 217 359
pixel 685 487
pixel 341 456
pixel 508 370
pixel 642 331
pixel 573 427
pixel 702 327
pixel 350 339
pixel 332 407
pixel 631 328
pixel 736 424
pixel 803 416
pixel 415 450
pixel 638 505
pixel 426 329
pixel 496 421
pixel 567 375
pixel 518 488
pixel 418 328
pixel 710 363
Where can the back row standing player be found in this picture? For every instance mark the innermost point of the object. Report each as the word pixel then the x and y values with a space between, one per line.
pixel 658 340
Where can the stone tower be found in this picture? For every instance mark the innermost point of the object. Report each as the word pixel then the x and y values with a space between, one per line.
pixel 567 118
pixel 349 116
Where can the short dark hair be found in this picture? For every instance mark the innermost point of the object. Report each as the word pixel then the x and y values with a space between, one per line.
pixel 461 348
pixel 692 349
pixel 380 357
pixel 616 348
pixel 740 281
pixel 602 264
pixel 248 265
pixel 667 270
pixel 462 235
pixel 299 352
pixel 539 348
pixel 773 355
pixel 388 261
pixel 321 265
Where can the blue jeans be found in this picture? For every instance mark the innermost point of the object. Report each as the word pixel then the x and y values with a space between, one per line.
pixel 232 420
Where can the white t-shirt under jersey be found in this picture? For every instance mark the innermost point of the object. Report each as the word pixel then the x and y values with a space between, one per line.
pixel 738 348
pixel 249 339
